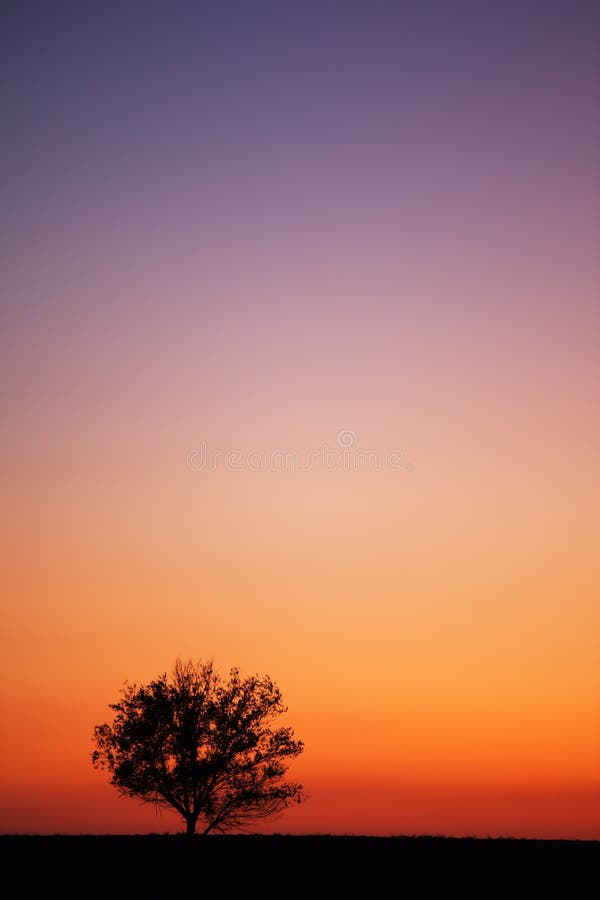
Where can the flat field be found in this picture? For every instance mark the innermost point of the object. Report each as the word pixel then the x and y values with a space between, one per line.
pixel 283 866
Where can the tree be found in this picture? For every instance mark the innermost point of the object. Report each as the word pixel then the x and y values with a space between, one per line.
pixel 203 745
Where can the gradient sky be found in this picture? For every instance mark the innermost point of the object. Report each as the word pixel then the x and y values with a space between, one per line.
pixel 249 226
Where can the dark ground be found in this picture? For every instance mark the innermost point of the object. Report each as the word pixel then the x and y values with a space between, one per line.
pixel 245 867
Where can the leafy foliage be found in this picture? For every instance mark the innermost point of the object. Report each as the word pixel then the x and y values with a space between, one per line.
pixel 202 745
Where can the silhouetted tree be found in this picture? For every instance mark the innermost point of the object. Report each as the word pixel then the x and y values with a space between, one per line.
pixel 202 745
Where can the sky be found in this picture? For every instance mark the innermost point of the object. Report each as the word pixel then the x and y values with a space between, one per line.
pixel 300 372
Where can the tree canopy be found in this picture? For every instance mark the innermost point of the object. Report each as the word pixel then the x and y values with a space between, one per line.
pixel 203 745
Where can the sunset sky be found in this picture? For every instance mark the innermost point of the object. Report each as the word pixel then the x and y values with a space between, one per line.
pixel 233 229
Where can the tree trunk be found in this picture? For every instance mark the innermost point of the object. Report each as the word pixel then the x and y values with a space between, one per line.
pixel 190 826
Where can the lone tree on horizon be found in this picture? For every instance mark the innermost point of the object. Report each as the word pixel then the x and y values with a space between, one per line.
pixel 203 745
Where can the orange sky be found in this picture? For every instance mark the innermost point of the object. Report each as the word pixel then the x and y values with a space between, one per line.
pixel 435 639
